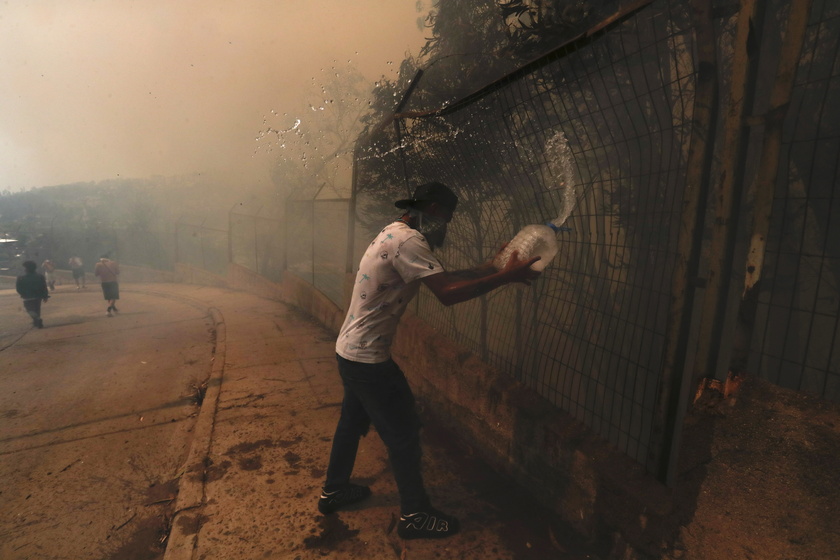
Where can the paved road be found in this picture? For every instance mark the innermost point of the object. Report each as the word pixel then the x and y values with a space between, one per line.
pixel 96 415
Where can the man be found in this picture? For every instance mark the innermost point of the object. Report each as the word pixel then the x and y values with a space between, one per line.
pixel 375 389
pixel 49 273
pixel 32 288
pixel 108 271
pixel 77 266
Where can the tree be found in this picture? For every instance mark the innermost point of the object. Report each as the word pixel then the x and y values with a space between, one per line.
pixel 316 143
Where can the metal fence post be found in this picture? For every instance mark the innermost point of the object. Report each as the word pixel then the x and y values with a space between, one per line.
pixel 256 242
pixel 729 189
pixel 765 180
pixel 177 240
pixel 230 233
pixel 685 281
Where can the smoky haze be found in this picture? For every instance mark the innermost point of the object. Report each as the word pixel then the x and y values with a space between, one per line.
pixel 99 90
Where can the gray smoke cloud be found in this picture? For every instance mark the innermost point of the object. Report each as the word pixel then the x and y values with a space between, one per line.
pixel 95 90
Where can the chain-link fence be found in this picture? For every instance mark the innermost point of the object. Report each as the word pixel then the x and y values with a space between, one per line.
pixel 796 323
pixel 316 242
pixel 607 136
pixel 257 238
pixel 596 138
pixel 201 245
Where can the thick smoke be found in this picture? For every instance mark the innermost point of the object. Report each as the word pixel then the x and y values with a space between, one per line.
pixel 102 90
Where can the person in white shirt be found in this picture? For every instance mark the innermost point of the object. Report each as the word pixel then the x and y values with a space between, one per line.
pixel 77 266
pixel 375 389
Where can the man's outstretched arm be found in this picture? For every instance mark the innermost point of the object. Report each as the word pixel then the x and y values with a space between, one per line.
pixel 455 287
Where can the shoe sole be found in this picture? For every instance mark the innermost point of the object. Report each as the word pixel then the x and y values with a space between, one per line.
pixel 436 535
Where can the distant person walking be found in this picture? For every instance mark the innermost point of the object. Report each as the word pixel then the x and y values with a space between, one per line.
pixel 32 288
pixel 49 273
pixel 78 269
pixel 108 272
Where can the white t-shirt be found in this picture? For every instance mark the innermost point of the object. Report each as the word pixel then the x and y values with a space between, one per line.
pixel 389 276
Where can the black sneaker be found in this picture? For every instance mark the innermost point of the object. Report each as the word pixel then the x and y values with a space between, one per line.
pixel 427 524
pixel 337 499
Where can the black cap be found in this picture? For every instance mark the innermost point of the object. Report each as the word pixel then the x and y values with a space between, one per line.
pixel 431 192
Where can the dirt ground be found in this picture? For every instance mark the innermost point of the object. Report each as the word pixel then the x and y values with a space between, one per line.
pixel 760 477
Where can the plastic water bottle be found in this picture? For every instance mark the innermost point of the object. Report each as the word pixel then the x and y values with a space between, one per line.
pixel 534 240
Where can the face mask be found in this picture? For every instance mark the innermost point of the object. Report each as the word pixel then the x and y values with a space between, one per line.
pixel 433 229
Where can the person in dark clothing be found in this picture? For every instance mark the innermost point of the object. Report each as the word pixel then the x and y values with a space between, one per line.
pixel 32 288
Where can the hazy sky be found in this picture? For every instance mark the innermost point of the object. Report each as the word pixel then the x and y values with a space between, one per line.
pixel 91 90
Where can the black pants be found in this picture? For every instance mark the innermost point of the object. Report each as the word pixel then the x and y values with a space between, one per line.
pixel 379 393
pixel 33 307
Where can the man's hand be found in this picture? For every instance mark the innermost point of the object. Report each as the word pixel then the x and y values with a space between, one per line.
pixel 517 270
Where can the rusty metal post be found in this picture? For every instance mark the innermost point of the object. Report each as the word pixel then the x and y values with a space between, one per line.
pixel 728 187
pixel 684 282
pixel 768 168
pixel 764 182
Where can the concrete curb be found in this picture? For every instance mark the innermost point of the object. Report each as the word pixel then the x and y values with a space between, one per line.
pixel 183 534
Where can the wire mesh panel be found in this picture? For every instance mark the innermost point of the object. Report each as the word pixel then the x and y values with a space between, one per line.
pixel 257 241
pixel 330 247
pixel 796 340
pixel 243 241
pixel 202 247
pixel 300 240
pixel 151 248
pixel 595 138
pixel 316 245
pixel 268 247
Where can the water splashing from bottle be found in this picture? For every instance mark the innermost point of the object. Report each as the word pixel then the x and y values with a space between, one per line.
pixel 561 167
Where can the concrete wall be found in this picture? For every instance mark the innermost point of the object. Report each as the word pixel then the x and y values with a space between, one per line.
pixel 291 290
pixel 594 487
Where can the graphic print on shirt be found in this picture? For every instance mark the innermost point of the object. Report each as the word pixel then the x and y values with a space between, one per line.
pixel 387 279
pixel 381 307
